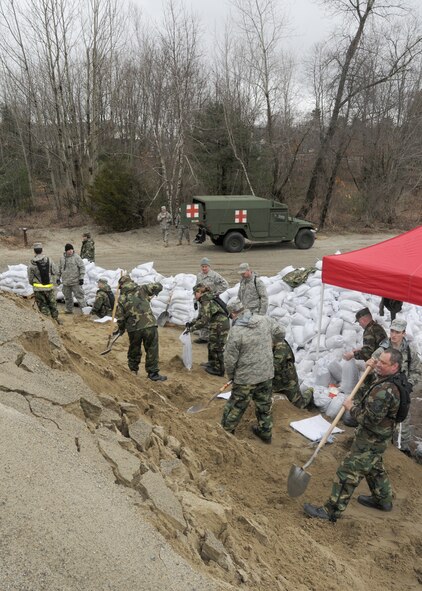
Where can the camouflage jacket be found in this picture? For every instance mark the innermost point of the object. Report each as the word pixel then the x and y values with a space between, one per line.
pixel 71 269
pixel 102 305
pixel 253 295
pixel 181 222
pixel 88 250
pixel 210 313
pixel 164 219
pixel 411 364
pixel 377 411
pixel 248 354
pixel 34 277
pixel 213 280
pixel 134 310
pixel 372 337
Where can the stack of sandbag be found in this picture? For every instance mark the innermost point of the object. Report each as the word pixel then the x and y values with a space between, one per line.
pixel 92 274
pixel 15 280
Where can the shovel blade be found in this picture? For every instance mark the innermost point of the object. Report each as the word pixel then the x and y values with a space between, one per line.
pixel 197 408
pixel 163 318
pixel 297 481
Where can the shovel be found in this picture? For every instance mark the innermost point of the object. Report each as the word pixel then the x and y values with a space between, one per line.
pixel 298 479
pixel 113 314
pixel 110 344
pixel 164 317
pixel 204 405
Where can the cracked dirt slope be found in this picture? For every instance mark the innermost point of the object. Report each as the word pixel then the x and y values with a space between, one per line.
pixel 109 484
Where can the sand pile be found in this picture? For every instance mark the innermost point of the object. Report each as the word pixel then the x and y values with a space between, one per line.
pixel 218 501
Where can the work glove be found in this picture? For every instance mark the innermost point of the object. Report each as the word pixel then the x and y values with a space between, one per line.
pixel 188 326
pixel 81 281
pixel 58 281
pixel 195 305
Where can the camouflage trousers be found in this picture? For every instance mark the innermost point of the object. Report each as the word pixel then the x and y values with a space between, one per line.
pixel 285 377
pixel 46 302
pixel 184 233
pixel 363 461
pixel 149 338
pixel 217 338
pixel 73 290
pixel 239 401
pixel 165 234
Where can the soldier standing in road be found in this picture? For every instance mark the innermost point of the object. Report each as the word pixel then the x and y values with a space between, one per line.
pixel 104 299
pixel 183 226
pixel 215 318
pixel 249 364
pixel 71 274
pixel 216 284
pixel 40 275
pixel 164 219
pixel 134 314
pixel 88 248
pixel 252 292
pixel 376 418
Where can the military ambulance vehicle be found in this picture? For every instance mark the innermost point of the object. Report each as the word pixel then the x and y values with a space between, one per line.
pixel 230 220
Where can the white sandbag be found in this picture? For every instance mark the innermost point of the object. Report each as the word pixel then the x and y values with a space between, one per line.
pixel 357 296
pixel 286 270
pixel 321 398
pixel 334 328
pixel 301 290
pixel 335 405
pixel 275 288
pixel 277 312
pixel 349 376
pixel 322 376
pixel 304 311
pixel 314 345
pixel 298 320
pixel 334 342
pixel 305 366
pixel 350 305
pixel 350 338
pixel 298 335
pixel 187 349
pixel 335 369
pixel 346 315
pixel 276 300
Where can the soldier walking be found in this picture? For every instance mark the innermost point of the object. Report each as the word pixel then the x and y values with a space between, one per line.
pixel 40 275
pixel 71 274
pixel 87 248
pixel 249 364
pixel 164 219
pixel 134 314
pixel 183 226
pixel 376 418
pixel 215 318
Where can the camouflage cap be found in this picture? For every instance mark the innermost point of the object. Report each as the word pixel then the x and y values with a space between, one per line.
pixel 198 286
pixel 124 279
pixel 102 280
pixel 363 312
pixel 37 245
pixel 243 267
pixel 399 325
pixel 235 306
pixel 87 234
pixel 205 261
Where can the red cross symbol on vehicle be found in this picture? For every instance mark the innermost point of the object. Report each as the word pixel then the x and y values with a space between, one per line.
pixel 192 210
pixel 241 216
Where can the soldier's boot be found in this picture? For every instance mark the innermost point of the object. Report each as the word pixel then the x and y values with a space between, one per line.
pixel 179 243
pixel 205 364
pixel 59 322
pixel 188 241
pixel 214 371
pixel 156 377
pixel 370 501
pixel 318 512
pixel 261 436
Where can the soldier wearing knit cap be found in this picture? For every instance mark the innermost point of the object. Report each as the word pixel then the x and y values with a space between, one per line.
pixel 71 274
pixel 41 271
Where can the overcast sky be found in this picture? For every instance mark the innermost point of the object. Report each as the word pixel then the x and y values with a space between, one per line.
pixel 308 22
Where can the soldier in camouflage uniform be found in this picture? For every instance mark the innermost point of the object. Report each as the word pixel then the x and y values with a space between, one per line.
pixel 71 273
pixel 134 314
pixel 183 225
pixel 411 366
pixel 40 275
pixel 164 219
pixel 214 317
pixel 216 284
pixel 252 292
pixel 285 376
pixel 104 297
pixel 88 248
pixel 249 364
pixel 376 418
pixel 373 334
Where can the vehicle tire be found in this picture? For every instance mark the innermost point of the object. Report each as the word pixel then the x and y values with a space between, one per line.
pixel 234 242
pixel 217 241
pixel 304 239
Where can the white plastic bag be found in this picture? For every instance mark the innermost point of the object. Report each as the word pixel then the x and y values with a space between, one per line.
pixel 187 349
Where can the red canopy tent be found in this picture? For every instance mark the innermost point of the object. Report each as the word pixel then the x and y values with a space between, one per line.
pixel 392 268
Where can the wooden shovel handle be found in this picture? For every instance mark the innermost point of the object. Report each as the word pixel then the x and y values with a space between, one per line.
pixel 338 417
pixel 113 313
